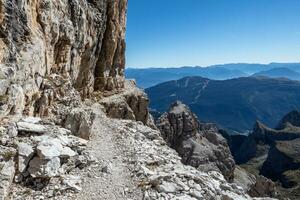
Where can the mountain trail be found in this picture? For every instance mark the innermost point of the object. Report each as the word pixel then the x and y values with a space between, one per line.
pixel 111 179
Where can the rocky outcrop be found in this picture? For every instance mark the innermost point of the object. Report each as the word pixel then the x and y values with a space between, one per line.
pixel 199 144
pixel 269 136
pixel 131 103
pixel 80 43
pixel 80 120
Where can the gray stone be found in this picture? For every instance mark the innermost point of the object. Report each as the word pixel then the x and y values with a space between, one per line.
pixel 4 84
pixel 12 130
pixel 3 136
pixel 67 152
pixel 167 187
pixel 6 177
pixel 80 122
pixel 44 168
pixel 32 120
pixel 16 100
pixel 31 128
pixel 72 182
pixel 25 154
pixel 196 194
pixel 48 150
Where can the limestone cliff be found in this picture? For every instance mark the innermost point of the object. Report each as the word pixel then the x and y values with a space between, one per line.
pixel 81 43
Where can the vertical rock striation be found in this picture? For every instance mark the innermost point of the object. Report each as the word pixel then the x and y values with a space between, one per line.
pixel 79 42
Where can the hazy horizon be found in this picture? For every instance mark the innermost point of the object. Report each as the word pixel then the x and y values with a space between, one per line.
pixel 147 67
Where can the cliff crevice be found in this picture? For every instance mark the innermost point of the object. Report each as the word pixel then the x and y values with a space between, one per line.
pixel 82 42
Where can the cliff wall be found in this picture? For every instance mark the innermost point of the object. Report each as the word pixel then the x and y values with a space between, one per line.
pixel 80 43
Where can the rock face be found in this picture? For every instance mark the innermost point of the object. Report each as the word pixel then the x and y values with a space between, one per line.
pixel 80 43
pixel 199 144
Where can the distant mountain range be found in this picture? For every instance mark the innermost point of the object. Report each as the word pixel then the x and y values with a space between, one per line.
pixel 234 104
pixel 279 73
pixel 147 77
pixel 254 68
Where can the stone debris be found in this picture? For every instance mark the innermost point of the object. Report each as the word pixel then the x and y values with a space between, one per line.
pixel 51 154
pixel 6 177
pixel 162 175
pixel 25 154
pixel 7 170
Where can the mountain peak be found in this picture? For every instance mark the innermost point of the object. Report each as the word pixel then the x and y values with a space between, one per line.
pixel 199 144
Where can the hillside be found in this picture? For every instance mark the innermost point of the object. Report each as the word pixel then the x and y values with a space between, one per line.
pixel 279 73
pixel 233 104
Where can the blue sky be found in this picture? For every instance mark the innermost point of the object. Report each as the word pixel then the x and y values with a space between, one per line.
pixel 165 33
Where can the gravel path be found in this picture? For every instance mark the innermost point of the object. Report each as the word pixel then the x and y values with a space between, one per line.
pixel 111 178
